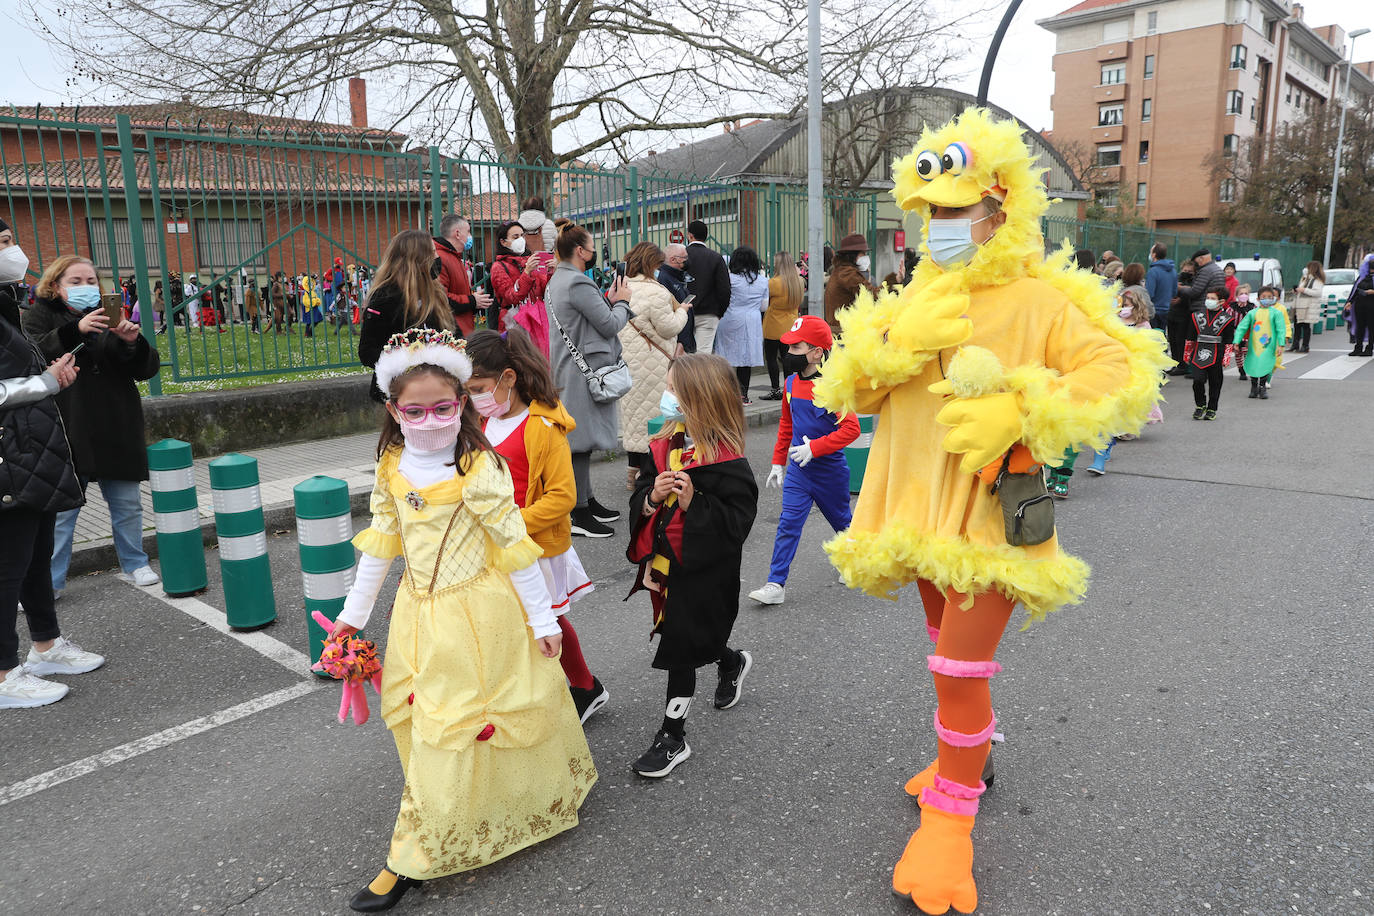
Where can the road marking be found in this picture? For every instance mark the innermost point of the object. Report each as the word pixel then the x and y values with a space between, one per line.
pixel 266 646
pixel 153 742
pixel 1337 368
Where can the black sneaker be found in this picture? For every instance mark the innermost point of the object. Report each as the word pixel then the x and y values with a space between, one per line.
pixel 589 699
pixel 732 682
pixel 584 524
pixel 600 512
pixel 1198 414
pixel 774 394
pixel 1210 415
pixel 666 752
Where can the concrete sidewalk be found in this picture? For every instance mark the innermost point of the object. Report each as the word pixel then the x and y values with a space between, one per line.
pixel 349 458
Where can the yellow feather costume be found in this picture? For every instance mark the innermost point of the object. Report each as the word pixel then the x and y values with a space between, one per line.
pixel 1077 373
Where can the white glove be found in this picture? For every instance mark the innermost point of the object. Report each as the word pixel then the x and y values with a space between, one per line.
pixel 801 454
pixel 774 476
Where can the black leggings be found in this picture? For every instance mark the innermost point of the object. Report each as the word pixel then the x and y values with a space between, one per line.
pixel 25 576
pixel 682 684
pixel 742 375
pixel 772 361
pixel 1302 335
pixel 1207 385
pixel 1363 310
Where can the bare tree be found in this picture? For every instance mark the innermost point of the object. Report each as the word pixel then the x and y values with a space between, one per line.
pixel 508 75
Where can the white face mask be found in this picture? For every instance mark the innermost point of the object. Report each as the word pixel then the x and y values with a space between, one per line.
pixel 517 246
pixel 951 241
pixel 13 264
pixel 862 262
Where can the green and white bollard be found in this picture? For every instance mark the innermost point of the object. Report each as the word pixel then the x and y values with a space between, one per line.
pixel 180 547
pixel 856 452
pixel 324 530
pixel 243 563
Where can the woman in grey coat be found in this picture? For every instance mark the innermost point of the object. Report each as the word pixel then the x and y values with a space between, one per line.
pixel 591 321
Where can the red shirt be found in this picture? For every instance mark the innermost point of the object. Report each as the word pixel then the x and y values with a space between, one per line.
pixel 512 448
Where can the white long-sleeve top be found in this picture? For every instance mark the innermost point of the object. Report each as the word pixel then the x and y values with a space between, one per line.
pixel 425 469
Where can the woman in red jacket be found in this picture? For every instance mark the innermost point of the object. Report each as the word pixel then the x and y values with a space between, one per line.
pixel 518 279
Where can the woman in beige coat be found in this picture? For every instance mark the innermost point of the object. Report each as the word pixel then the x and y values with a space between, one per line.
pixel 1307 305
pixel 648 343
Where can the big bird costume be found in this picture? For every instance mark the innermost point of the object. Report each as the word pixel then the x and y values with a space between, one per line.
pixel 1020 357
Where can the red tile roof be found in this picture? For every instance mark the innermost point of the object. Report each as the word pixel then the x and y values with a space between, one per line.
pixel 195 118
pixel 1089 5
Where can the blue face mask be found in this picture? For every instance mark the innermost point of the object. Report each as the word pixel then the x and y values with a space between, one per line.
pixel 467 245
pixel 1266 302
pixel 668 406
pixel 951 241
pixel 83 298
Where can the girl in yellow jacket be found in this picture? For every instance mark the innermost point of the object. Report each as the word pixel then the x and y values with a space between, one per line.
pixel 528 427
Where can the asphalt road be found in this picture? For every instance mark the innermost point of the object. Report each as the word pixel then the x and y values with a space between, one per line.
pixel 1193 738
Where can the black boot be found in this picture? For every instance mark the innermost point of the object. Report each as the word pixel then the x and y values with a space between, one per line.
pixel 368 901
pixel 1263 391
pixel 1254 387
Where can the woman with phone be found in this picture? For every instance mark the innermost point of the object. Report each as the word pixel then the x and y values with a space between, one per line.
pixel 102 411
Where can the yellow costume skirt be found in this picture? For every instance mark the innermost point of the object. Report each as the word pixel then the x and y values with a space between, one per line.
pixel 493 754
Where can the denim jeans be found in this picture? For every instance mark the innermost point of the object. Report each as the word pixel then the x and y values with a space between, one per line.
pixel 126 523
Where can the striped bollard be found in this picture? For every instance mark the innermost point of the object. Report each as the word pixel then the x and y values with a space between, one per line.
pixel 856 452
pixel 324 530
pixel 1333 313
pixel 180 547
pixel 244 568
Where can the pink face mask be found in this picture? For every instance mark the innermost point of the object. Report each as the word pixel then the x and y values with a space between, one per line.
pixel 486 404
pixel 430 434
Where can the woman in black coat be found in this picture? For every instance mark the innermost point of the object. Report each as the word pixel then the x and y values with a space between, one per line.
pixel 103 411
pixel 405 294
pixel 37 481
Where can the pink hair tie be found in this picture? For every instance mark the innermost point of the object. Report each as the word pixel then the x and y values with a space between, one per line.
pixel 960 739
pixel 953 667
pixel 932 798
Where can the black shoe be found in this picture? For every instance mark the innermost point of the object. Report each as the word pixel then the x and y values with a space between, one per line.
pixel 1210 415
pixel 1177 370
pixel 1356 352
pixel 1254 388
pixel 589 699
pixel 666 752
pixel 1243 376
pixel 600 512
pixel 367 902
pixel 774 394
pixel 1263 393
pixel 584 524
pixel 1198 414
pixel 1368 351
pixel 732 682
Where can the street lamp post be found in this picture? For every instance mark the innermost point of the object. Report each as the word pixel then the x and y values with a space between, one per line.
pixel 1340 143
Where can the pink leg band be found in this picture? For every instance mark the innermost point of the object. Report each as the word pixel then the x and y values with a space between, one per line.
pixel 953 667
pixel 933 633
pixel 960 739
pixel 959 790
pixel 933 798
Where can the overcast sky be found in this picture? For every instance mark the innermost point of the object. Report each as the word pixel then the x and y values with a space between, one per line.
pixel 1022 82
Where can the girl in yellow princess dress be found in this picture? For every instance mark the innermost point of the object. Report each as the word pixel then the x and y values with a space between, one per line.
pixel 490 744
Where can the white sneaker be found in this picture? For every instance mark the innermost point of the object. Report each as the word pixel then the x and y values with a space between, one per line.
pixel 142 577
pixel 772 593
pixel 65 657
pixel 21 690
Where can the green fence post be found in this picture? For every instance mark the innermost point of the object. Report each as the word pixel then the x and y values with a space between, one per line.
pixel 436 203
pixel 636 211
pixel 324 530
pixel 124 131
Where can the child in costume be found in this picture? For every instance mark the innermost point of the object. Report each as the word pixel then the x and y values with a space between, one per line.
pixel 1209 329
pixel 1135 310
pixel 813 441
pixel 692 514
pixel 493 756
pixel 527 426
pixel 1021 357
pixel 1263 332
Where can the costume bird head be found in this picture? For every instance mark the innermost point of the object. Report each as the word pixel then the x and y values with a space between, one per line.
pixel 971 159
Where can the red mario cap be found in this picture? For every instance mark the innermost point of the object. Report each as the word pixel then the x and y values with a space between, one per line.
pixel 810 329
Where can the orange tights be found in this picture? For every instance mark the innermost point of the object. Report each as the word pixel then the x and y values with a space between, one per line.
pixel 965 703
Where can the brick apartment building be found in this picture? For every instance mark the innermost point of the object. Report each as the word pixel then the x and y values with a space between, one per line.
pixel 1151 89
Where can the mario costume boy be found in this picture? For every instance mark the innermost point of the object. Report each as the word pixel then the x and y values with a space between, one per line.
pixel 808 459
pixel 1018 357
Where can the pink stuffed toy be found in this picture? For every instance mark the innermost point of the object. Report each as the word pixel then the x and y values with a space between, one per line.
pixel 353 661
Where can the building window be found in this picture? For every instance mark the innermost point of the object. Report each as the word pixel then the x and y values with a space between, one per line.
pixel 1109 155
pixel 1151 22
pixel 1270 26
pixel 1227 192
pixel 1238 57
pixel 1106 197
pixel 1119 30
pixel 1229 143
pixel 1254 107
pixel 226 243
pixel 1144 150
pixel 1240 10
pixel 1149 66
pixel 1288 93
pixel 123 255
pixel 1140 194
pixel 1146 109
pixel 1113 74
pixel 1110 115
pixel 1235 102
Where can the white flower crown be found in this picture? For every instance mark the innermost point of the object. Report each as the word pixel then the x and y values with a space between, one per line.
pixel 422 347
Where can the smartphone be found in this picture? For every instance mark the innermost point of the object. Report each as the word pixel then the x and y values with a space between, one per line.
pixel 689 300
pixel 620 269
pixel 77 349
pixel 114 309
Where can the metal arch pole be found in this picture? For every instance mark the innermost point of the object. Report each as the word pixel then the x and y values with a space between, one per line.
pixel 815 191
pixel 993 48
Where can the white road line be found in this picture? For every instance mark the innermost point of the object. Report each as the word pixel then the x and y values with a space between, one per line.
pixel 294 661
pixel 155 741
pixel 1337 368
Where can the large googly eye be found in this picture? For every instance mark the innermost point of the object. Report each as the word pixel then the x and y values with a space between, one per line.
pixel 928 165
pixel 957 157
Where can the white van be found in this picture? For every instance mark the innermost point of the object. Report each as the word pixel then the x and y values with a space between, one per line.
pixel 1257 272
